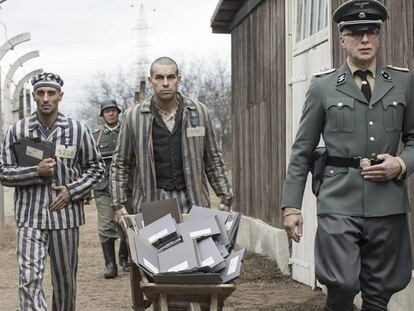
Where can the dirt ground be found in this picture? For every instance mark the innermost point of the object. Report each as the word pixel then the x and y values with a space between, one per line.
pixel 261 286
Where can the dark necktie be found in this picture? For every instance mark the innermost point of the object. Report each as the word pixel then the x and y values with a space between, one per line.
pixel 365 87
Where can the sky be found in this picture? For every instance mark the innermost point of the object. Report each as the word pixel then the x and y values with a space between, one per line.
pixel 79 38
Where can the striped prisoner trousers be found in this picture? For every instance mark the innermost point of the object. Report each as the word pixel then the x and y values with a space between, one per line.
pixel 181 196
pixel 32 248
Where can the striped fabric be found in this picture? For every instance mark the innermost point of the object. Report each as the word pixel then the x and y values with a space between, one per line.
pixel 181 196
pixel 32 248
pixel 202 157
pixel 33 194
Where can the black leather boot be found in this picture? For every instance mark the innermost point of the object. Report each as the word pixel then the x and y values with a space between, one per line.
pixel 123 255
pixel 108 249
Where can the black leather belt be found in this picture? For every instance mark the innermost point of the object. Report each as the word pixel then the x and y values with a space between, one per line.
pixel 355 162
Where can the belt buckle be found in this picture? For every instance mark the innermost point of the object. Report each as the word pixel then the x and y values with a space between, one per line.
pixel 364 162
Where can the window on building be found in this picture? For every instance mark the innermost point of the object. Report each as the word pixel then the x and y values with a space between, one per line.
pixel 312 17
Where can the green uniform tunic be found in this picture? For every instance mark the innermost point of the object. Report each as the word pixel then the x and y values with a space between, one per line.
pixel 351 126
pixel 106 140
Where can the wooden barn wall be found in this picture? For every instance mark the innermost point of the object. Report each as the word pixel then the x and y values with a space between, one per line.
pixel 396 48
pixel 258 109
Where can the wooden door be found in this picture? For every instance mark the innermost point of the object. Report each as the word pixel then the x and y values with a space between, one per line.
pixel 309 53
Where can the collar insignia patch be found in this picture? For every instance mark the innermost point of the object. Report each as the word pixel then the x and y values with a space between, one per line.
pixel 385 75
pixel 341 78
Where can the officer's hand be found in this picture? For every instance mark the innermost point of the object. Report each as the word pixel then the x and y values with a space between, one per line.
pixel 119 215
pixel 293 224
pixel 387 170
pixel 46 167
pixel 62 199
pixel 223 207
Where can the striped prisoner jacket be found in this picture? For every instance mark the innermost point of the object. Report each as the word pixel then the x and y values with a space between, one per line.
pixel 202 157
pixel 33 194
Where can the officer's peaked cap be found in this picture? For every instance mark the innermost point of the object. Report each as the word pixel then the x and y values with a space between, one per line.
pixel 360 14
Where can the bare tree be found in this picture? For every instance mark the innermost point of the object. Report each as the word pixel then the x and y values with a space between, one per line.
pixel 119 86
pixel 207 81
pixel 211 84
pixel 217 92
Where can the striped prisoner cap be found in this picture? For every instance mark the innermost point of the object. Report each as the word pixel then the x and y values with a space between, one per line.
pixel 47 79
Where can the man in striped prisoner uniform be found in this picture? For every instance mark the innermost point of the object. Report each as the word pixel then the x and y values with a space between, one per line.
pixel 49 196
pixel 171 139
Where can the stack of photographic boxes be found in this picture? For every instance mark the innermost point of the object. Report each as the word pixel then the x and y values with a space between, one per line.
pixel 198 250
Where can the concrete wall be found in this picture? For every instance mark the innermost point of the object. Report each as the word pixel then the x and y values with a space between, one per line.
pixel 259 237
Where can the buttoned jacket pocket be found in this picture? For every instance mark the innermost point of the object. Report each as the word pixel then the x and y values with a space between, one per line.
pixel 393 112
pixel 103 146
pixel 331 171
pixel 340 115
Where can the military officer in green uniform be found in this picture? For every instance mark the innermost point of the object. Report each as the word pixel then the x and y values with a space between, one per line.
pixel 106 138
pixel 362 110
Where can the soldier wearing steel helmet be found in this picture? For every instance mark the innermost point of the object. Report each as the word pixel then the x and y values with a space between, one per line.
pixel 363 111
pixel 106 138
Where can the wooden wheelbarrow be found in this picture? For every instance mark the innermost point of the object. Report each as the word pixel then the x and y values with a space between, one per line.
pixel 174 297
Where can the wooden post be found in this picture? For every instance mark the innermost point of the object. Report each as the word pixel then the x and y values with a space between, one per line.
pixel 142 90
pixel 162 302
pixel 214 302
pixel 139 94
pixel 194 306
pixel 137 296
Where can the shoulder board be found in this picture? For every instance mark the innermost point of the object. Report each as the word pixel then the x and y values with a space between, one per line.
pixel 324 73
pixel 96 131
pixel 398 68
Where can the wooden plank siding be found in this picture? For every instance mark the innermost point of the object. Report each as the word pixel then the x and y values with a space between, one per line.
pixel 258 108
pixel 224 14
pixel 396 48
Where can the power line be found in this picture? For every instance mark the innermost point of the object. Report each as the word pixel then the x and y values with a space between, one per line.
pixel 55 43
pixel 142 44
